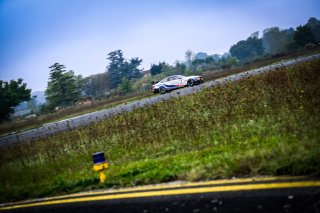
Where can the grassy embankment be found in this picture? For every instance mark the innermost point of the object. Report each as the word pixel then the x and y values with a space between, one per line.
pixel 263 125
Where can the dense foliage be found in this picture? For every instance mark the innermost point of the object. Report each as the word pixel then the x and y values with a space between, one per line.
pixel 249 49
pixel 95 85
pixel 119 68
pixel 303 36
pixel 314 25
pixel 156 68
pixel 277 41
pixel 11 94
pixel 63 89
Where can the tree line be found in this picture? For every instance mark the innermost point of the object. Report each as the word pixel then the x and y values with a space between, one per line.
pixel 122 75
pixel 277 41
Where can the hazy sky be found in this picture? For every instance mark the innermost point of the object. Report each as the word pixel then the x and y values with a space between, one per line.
pixel 34 34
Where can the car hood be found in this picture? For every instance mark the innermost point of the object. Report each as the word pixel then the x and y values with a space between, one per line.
pixel 193 76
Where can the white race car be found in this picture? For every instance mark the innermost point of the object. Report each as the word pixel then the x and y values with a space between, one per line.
pixel 175 82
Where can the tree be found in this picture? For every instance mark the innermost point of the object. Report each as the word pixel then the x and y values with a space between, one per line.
pixel 288 40
pixel 33 106
pixel 125 86
pixel 156 69
pixel 314 25
pixel 95 85
pixel 276 41
pixel 189 55
pixel 180 67
pixel 216 57
pixel 248 50
pixel 168 69
pixel 115 67
pixel 11 94
pixel 303 36
pixel 131 70
pixel 231 61
pixel 62 89
pixel 119 68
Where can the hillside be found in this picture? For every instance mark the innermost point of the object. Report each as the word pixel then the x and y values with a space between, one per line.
pixel 262 125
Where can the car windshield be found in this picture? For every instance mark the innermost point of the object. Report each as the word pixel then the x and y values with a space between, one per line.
pixel 164 80
pixel 171 78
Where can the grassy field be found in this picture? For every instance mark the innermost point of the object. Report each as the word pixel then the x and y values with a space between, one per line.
pixel 263 125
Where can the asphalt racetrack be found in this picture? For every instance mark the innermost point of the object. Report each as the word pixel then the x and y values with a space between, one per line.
pixel 260 194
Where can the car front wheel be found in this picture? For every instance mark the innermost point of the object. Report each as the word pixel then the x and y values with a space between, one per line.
pixel 163 90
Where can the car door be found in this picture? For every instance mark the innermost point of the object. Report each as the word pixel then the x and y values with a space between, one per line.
pixel 170 81
pixel 178 81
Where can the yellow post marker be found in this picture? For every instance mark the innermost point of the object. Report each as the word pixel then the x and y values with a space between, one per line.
pixel 99 165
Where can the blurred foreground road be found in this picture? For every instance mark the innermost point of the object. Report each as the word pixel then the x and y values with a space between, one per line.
pixel 261 194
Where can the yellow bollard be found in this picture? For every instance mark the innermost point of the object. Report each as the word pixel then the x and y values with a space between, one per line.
pixel 103 177
pixel 99 165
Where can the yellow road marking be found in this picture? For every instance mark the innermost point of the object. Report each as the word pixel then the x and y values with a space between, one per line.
pixel 166 186
pixel 260 186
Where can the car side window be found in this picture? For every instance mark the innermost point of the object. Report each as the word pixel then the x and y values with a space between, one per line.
pixel 163 80
pixel 176 78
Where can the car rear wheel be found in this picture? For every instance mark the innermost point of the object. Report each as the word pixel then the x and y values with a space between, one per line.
pixel 191 82
pixel 163 90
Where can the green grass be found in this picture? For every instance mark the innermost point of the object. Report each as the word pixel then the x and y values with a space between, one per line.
pixel 263 125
